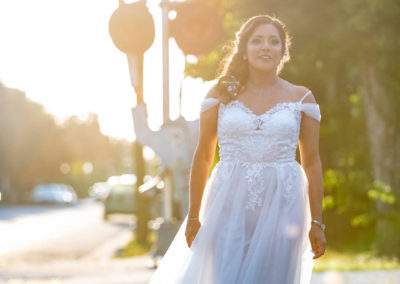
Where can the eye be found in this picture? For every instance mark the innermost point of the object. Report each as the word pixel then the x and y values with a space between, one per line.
pixel 255 40
pixel 275 41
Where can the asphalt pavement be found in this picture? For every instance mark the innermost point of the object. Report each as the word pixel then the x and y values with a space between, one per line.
pixel 99 265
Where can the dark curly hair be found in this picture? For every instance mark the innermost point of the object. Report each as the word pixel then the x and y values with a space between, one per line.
pixel 233 72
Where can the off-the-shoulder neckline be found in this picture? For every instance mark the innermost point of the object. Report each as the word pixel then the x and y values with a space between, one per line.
pixel 210 99
pixel 270 109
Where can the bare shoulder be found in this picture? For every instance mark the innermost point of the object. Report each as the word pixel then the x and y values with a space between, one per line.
pixel 297 92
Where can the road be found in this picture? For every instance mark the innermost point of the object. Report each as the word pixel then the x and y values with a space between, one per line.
pixel 57 243
pixel 74 245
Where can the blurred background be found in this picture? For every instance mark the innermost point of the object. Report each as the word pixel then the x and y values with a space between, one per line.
pixel 79 180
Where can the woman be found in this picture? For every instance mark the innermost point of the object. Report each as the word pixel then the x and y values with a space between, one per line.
pixel 258 218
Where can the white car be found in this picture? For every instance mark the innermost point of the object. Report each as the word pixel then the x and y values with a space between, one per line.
pixel 100 190
pixel 54 193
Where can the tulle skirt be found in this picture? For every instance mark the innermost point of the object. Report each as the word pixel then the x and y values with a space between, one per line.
pixel 255 221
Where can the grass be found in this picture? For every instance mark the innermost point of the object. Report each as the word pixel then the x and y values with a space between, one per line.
pixel 342 261
pixel 133 248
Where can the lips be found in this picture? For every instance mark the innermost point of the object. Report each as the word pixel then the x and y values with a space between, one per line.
pixel 265 57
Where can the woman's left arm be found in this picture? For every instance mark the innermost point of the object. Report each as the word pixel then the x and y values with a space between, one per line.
pixel 311 163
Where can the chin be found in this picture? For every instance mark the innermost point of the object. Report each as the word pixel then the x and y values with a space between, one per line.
pixel 264 68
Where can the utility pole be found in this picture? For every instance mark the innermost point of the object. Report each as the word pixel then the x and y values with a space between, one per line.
pixel 131 28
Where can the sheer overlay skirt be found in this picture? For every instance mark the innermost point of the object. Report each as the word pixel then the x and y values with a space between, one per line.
pixel 255 222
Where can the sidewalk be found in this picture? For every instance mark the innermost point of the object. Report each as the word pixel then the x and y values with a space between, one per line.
pixel 136 271
pixel 357 277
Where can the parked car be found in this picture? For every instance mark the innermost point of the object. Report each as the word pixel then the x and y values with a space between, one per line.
pixel 53 193
pixel 120 199
pixel 99 190
pixel 122 195
pixel 152 191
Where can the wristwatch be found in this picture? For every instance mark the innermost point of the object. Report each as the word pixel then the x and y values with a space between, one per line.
pixel 322 226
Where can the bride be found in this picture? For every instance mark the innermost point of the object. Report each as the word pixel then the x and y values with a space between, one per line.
pixel 258 217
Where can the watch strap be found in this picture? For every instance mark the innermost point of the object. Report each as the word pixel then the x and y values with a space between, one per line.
pixel 322 226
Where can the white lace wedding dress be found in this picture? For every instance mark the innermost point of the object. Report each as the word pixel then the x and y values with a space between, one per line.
pixel 255 211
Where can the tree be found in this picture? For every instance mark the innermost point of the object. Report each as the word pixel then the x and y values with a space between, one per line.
pixel 33 149
pixel 346 52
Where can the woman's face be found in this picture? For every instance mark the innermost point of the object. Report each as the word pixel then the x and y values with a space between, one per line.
pixel 264 48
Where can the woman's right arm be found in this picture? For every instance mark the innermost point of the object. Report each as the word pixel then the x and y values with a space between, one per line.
pixel 201 164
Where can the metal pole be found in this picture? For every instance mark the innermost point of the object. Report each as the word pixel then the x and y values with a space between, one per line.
pixel 168 196
pixel 168 228
pixel 165 56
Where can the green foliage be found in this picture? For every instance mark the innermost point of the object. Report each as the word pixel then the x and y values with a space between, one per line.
pixel 134 248
pixel 331 41
pixel 334 260
pixel 344 202
pixel 381 192
pixel 351 207
pixel 206 67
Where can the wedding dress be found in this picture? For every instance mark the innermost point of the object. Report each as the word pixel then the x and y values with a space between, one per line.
pixel 255 212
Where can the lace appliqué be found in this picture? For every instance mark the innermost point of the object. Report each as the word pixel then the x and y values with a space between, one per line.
pixel 255 181
pixel 288 181
pixel 245 139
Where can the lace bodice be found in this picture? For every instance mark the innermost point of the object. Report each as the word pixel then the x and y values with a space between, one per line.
pixel 271 137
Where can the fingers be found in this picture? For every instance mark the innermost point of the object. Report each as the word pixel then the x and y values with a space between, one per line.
pixel 189 238
pixel 191 232
pixel 318 248
pixel 318 242
pixel 189 241
pixel 313 245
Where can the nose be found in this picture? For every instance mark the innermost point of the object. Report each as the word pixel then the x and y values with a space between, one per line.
pixel 265 45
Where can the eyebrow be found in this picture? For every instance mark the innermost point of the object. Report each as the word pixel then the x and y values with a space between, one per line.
pixel 262 36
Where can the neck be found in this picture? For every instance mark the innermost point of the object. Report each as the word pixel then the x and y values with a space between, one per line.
pixel 263 79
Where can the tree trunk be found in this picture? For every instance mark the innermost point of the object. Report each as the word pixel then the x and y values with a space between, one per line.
pixel 384 143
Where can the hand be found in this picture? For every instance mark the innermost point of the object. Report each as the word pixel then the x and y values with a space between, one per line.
pixel 192 227
pixel 318 240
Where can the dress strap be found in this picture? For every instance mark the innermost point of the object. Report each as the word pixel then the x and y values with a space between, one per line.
pixel 302 99
pixel 208 103
pixel 312 110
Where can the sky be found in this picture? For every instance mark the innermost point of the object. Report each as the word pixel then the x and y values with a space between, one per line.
pixel 61 55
